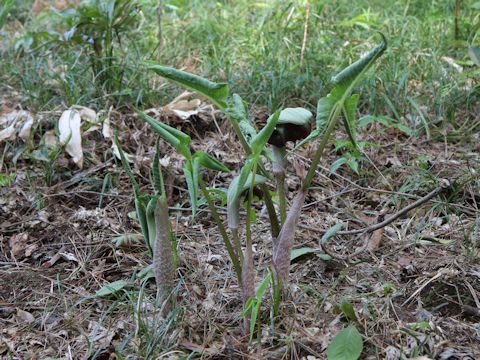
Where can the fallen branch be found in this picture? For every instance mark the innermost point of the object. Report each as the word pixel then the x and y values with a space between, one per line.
pixel 444 184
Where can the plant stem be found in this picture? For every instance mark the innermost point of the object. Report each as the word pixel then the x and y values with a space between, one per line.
pixel 321 147
pixel 221 229
pixel 237 243
pixel 279 165
pixel 272 214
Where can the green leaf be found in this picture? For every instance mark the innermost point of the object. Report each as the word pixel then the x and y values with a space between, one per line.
pixel 474 53
pixel 146 273
pixel 5 7
pixel 346 345
pixel 337 163
pixel 331 233
pixel 325 107
pixel 296 116
pixel 216 92
pixel 296 253
pixel 178 139
pixel 353 164
pixel 210 162
pixel 348 77
pixel 348 310
pixel 257 302
pixel 350 119
pixel 238 186
pixel 258 142
pixel 111 288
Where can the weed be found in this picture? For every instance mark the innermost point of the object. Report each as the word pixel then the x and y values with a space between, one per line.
pixel 282 126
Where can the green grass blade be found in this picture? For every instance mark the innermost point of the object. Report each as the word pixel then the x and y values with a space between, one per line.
pixel 158 183
pixel 127 168
pixel 5 7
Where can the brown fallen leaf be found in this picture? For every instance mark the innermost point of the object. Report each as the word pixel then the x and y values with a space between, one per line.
pixel 25 316
pixel 18 244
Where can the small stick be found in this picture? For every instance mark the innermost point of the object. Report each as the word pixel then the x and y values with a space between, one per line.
pixel 444 184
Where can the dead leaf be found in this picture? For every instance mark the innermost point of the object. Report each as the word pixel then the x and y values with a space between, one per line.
pixel 26 129
pixel 13 121
pixel 86 114
pixel 18 243
pixel 50 139
pixel 69 129
pixel 25 316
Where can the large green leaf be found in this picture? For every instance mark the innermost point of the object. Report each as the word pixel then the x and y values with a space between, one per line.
pixel 346 345
pixel 350 75
pixel 344 82
pixel 5 7
pixel 216 92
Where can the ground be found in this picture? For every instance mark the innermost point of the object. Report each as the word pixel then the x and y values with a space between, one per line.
pixel 415 293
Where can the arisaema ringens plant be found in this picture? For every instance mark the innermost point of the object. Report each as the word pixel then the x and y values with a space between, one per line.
pixel 252 180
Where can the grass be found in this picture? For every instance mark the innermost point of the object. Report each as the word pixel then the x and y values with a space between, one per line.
pixel 260 57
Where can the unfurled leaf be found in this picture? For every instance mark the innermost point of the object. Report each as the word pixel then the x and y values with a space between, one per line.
pixel 331 233
pixel 216 92
pixel 126 240
pixel 111 288
pixel 325 107
pixel 353 164
pixel 346 345
pixel 70 133
pixel 257 302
